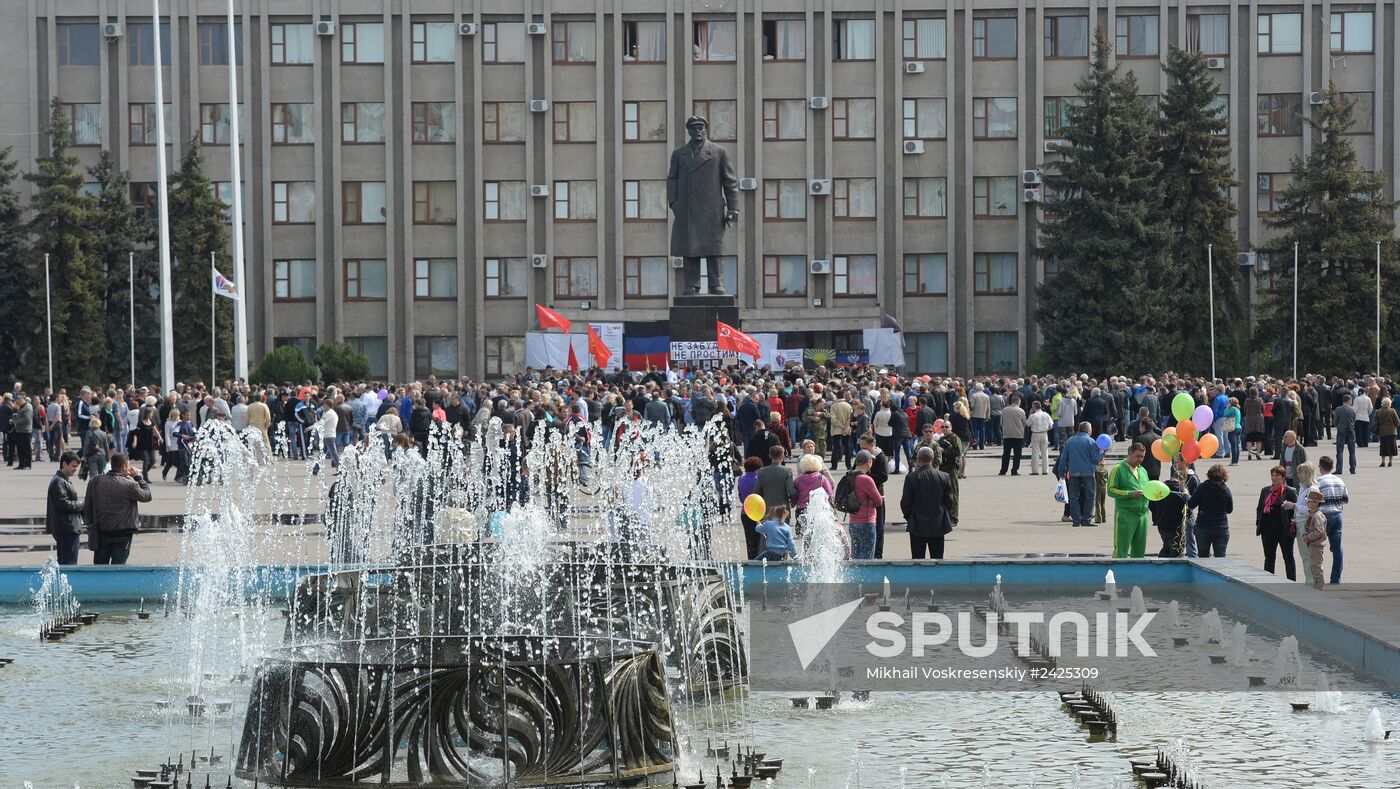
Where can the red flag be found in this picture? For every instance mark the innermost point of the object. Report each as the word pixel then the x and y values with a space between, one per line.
pixel 598 348
pixel 731 339
pixel 573 359
pixel 549 319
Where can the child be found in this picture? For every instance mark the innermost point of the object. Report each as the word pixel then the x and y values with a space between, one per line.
pixel 1315 535
pixel 778 535
pixel 1101 490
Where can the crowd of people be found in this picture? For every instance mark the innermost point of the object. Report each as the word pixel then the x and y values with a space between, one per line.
pixel 863 423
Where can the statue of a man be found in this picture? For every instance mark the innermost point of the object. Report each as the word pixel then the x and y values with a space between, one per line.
pixel 703 194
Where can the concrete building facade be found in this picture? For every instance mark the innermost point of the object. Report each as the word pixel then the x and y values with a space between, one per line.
pixel 420 173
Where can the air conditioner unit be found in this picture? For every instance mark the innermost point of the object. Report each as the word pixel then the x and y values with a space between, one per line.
pixel 1215 64
pixel 1245 259
pixel 466 29
pixel 819 102
pixel 585 305
pixel 539 261
pixel 1030 195
pixel 820 266
pixel 819 186
pixel 1315 97
pixel 913 67
pixel 913 146
pixel 536 29
pixel 539 190
pixel 1030 178
pixel 325 28
pixel 748 184
pixel 539 105
pixel 1054 146
pixel 112 30
pixel 677 262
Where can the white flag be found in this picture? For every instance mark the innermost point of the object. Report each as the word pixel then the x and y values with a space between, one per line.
pixel 224 286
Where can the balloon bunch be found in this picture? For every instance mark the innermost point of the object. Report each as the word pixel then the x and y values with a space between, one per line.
pixel 1188 437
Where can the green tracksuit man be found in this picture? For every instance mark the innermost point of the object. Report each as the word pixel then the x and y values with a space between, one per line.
pixel 1130 517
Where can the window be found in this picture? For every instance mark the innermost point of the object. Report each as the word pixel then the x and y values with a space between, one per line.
pixel 925 198
pixel 926 352
pixel 1280 114
pixel 993 118
pixel 784 198
pixel 575 121
pixel 575 201
pixel 1269 193
pixel 576 278
pixel 293 280
pixel 376 349
pixel 994 274
pixel 643 200
pixel 503 121
pixel 1067 37
pixel 144 197
pixel 292 44
pixel 1280 34
pixel 434 42
pixel 574 42
pixel 1137 36
pixel 293 124
pixel 853 275
pixel 362 42
pixel 1051 267
pixel 645 277
pixel 994 196
pixel 926 275
pixel 141 44
pixel 434 122
pixel 853 198
pixel 78 44
pixel 504 355
pixel 784 39
pixel 925 119
pixel 853 39
pixel 293 202
pixel 366 280
pixel 84 123
pixel 307 345
pixel 505 278
pixel 362 122
pixel 214 124
pixel 784 119
pixel 714 41
pixel 503 42
pixel 643 42
pixel 994 38
pixel 925 39
pixel 1350 32
pixel 1221 105
pixel 141 123
pixel 644 121
pixel 1208 34
pixel 504 201
pixel 994 352
pixel 434 202
pixel 722 117
pixel 784 276
pixel 1363 113
pixel 224 191
pixel 362 202
pixel 1057 109
pixel 853 119
pixel 435 278
pixel 435 356
pixel 213 43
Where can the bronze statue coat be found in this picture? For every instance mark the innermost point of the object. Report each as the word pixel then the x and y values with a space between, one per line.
pixel 701 189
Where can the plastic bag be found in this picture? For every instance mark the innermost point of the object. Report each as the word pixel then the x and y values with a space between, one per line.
pixel 1060 494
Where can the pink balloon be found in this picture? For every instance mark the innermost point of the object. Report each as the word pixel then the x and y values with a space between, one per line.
pixel 1202 418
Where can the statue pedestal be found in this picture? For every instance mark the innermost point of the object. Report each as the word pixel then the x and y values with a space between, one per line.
pixel 693 317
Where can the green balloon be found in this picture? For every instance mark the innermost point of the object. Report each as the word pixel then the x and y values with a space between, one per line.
pixel 1156 490
pixel 1171 444
pixel 1183 406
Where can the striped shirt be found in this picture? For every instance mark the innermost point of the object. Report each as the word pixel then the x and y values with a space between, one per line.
pixel 1334 493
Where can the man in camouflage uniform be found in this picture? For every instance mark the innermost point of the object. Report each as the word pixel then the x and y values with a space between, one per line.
pixel 818 421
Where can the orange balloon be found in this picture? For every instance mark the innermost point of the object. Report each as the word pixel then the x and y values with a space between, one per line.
pixel 1159 451
pixel 1209 444
pixel 1191 451
pixel 1185 430
pixel 1169 431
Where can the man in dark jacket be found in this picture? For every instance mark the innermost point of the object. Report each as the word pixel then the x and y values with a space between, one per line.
pixel 775 483
pixel 110 511
pixel 927 498
pixel 63 517
pixel 21 428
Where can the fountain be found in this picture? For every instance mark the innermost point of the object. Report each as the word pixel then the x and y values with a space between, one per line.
pixel 1212 631
pixel 1375 730
pixel 1239 650
pixel 55 606
pixel 1326 699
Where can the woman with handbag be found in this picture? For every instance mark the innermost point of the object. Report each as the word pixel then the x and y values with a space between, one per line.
pixel 1273 521
pixel 1234 421
pixel 143 442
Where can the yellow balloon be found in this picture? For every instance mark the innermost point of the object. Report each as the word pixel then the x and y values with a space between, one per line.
pixel 754 507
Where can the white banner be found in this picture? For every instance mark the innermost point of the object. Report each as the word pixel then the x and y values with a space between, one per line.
pixel 767 347
pixel 782 356
pixel 612 337
pixel 546 350
pixel 695 351
pixel 886 346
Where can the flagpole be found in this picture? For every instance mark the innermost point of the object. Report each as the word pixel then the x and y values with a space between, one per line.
pixel 131 302
pixel 167 321
pixel 1378 308
pixel 213 326
pixel 1295 310
pixel 240 310
pixel 1210 286
pixel 48 308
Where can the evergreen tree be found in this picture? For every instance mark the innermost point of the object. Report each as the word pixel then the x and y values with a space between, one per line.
pixel 18 283
pixel 60 225
pixel 340 362
pixel 1105 227
pixel 197 228
pixel 284 365
pixel 121 229
pixel 1335 211
pixel 1194 152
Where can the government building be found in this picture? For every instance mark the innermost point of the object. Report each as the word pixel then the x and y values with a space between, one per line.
pixel 420 173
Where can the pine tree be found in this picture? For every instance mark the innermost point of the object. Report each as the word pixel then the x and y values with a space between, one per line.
pixel 18 283
pixel 1335 211
pixel 197 228
pixel 60 225
pixel 119 230
pixel 1194 152
pixel 1105 227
